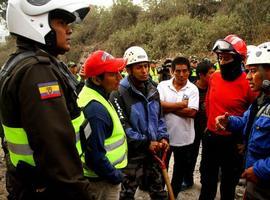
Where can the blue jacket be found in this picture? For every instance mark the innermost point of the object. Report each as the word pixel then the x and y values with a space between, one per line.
pixel 140 114
pixel 258 144
pixel 102 127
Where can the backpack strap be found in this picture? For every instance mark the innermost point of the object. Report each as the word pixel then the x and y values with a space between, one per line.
pixel 19 61
pixel 20 58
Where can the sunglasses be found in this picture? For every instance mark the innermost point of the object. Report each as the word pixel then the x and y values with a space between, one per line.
pixel 223 46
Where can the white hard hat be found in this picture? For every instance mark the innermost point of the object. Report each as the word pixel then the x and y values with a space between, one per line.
pixel 30 18
pixel 265 45
pixel 135 54
pixel 258 56
pixel 250 48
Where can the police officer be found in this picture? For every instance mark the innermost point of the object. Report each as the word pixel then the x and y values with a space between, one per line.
pixel 38 102
pixel 72 66
pixel 193 63
pixel 153 71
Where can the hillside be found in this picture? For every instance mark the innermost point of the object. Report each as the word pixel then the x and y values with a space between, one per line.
pixel 166 28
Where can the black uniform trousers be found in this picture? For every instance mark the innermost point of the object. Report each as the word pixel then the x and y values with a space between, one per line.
pixel 219 152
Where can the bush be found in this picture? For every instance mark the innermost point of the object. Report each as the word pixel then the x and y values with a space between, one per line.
pixel 165 28
pixel 6 49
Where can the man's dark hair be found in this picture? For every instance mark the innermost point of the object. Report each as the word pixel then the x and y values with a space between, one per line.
pixel 203 67
pixel 180 61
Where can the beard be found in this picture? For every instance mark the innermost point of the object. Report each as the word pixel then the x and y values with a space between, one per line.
pixel 231 70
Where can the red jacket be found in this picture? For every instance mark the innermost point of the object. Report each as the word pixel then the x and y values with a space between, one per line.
pixel 223 96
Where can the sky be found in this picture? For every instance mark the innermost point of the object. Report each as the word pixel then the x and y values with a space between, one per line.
pixel 108 3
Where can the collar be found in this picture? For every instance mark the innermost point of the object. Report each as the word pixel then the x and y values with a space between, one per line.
pixel 171 86
pixel 97 88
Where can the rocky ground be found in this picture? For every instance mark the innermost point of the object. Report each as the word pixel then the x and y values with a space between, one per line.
pixel 190 194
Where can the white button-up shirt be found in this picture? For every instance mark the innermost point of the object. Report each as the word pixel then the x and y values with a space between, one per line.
pixel 180 129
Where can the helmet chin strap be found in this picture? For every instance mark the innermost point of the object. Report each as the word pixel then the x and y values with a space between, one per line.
pixel 266 85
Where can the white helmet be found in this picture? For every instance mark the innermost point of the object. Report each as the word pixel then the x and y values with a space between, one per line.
pixel 249 49
pixel 135 54
pixel 258 56
pixel 265 45
pixel 30 18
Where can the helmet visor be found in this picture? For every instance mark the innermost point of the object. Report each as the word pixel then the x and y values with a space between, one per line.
pixel 76 16
pixel 80 14
pixel 223 46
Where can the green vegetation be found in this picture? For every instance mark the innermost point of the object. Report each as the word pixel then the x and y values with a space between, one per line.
pixel 166 28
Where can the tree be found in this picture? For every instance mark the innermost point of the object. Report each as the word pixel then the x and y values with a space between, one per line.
pixel 3 8
pixel 202 9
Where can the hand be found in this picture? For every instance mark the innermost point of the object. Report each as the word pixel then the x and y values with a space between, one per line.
pixel 249 175
pixel 222 121
pixel 164 144
pixel 185 103
pixel 154 147
pixel 182 104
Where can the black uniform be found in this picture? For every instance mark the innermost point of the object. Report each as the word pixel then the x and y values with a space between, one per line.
pixel 46 118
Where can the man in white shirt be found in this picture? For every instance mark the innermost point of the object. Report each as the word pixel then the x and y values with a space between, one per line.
pixel 180 102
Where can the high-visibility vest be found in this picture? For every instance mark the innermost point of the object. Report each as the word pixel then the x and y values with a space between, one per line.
pixel 116 144
pixel 124 74
pixel 217 66
pixel 153 73
pixel 18 145
pixel 193 72
pixel 16 137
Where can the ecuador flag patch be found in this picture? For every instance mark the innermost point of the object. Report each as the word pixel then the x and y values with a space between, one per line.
pixel 49 90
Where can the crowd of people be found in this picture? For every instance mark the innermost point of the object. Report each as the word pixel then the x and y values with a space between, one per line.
pixel 91 133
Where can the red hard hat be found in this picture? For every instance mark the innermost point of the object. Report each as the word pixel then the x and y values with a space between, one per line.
pixel 238 44
pixel 100 62
pixel 231 44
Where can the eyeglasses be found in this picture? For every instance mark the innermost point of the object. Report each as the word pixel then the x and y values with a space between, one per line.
pixel 222 45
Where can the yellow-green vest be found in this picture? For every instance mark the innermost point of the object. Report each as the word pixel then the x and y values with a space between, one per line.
pixel 124 73
pixel 116 145
pixel 193 72
pixel 18 145
pixel 153 74
pixel 217 66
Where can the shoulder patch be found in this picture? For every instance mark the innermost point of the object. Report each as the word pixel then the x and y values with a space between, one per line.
pixel 49 90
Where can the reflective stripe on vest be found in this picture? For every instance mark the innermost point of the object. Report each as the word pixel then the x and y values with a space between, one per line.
pixel 18 145
pixel 116 145
pixel 77 122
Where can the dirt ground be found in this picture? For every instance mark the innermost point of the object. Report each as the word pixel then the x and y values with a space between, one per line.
pixel 193 192
pixel 3 192
pixel 190 194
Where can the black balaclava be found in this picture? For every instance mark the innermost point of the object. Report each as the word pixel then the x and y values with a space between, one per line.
pixel 232 70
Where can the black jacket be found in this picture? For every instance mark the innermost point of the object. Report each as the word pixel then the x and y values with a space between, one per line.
pixel 47 122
